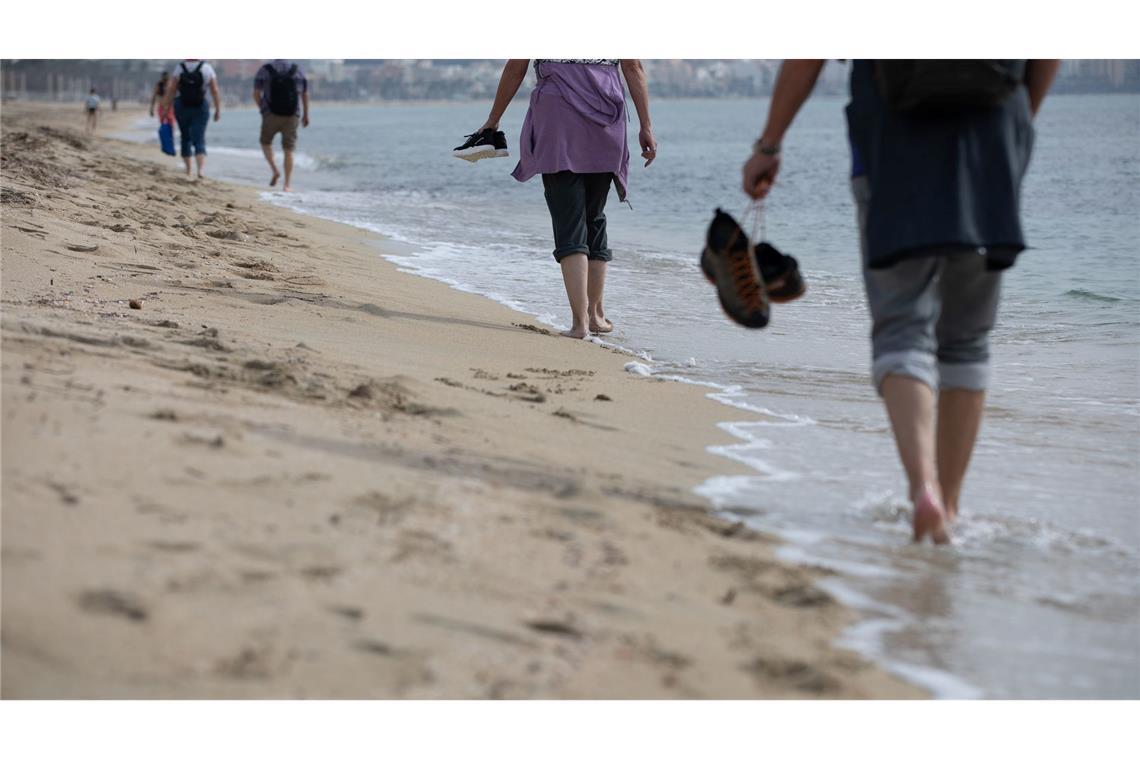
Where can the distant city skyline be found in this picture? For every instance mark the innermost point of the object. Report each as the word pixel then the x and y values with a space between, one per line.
pixel 132 80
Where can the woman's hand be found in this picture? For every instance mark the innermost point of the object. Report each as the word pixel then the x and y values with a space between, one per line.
pixel 218 115
pixel 760 174
pixel 648 144
pixel 639 93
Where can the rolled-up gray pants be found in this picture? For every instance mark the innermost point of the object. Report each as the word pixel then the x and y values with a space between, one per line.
pixel 931 315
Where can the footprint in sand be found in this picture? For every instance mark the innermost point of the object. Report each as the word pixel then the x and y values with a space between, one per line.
pixel 348 612
pixel 321 572
pixel 371 646
pixel 555 627
pixel 252 662
pixel 795 674
pixel 111 602
pixel 176 547
pixel 388 509
pixel 527 392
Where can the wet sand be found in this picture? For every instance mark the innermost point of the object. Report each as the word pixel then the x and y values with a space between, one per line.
pixel 297 472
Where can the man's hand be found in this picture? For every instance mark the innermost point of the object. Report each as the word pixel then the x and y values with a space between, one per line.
pixel 218 115
pixel 648 144
pixel 793 85
pixel 305 120
pixel 760 174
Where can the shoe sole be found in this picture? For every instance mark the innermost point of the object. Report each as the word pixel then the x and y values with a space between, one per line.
pixel 475 153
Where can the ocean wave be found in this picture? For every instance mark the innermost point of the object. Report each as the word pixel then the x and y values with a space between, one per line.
pixel 976 532
pixel 1089 295
pixel 300 160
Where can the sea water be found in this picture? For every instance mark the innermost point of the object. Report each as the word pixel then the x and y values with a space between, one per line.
pixel 1040 595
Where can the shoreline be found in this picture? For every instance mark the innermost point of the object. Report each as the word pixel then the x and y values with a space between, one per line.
pixel 280 479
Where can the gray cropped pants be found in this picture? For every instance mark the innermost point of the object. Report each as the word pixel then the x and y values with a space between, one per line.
pixel 931 316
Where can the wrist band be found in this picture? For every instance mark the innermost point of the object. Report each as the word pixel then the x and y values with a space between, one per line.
pixel 767 150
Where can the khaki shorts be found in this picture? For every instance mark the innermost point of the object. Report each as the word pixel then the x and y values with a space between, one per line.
pixel 272 123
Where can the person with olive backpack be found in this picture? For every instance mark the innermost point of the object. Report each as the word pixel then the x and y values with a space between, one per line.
pixel 191 81
pixel 282 94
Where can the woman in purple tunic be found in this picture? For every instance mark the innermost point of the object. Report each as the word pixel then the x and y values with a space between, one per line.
pixel 574 136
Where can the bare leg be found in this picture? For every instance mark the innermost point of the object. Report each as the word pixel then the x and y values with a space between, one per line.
pixel 575 275
pixel 189 171
pixel 268 151
pixel 959 418
pixel 288 171
pixel 201 159
pixel 595 290
pixel 910 405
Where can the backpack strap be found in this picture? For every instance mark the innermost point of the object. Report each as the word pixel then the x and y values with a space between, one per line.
pixel 199 66
pixel 184 69
pixel 293 71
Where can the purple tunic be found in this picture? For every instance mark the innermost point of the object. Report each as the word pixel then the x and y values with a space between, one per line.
pixel 576 122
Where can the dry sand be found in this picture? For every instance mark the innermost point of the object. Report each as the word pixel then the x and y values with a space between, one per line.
pixel 297 472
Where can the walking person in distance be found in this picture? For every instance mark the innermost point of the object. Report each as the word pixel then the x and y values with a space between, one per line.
pixel 281 93
pixel 193 79
pixel 574 135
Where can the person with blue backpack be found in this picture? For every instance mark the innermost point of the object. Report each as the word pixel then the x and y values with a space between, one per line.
pixel 281 92
pixel 191 81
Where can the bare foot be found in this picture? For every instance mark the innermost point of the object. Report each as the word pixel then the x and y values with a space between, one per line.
pixel 276 176
pixel 287 189
pixel 929 517
pixel 951 513
pixel 577 333
pixel 601 325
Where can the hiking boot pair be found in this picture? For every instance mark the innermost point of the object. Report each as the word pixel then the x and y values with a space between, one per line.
pixel 747 278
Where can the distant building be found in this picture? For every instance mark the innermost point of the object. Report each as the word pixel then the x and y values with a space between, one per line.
pixel 466 79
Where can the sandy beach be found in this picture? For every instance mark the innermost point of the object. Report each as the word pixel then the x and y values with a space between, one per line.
pixel 298 472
